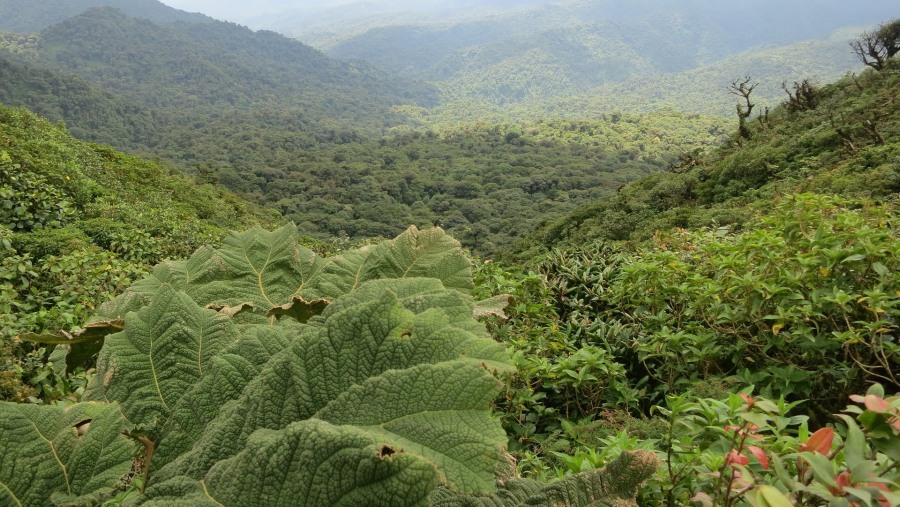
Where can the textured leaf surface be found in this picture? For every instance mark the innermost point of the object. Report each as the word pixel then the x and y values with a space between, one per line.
pixel 271 271
pixel 72 451
pixel 176 364
pixel 266 375
pixel 615 485
pixel 400 373
pixel 160 355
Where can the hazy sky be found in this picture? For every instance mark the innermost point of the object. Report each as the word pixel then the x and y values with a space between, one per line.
pixel 241 10
pixel 236 10
pixel 228 9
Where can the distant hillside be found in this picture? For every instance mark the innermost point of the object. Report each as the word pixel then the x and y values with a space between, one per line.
pixel 91 113
pixel 197 94
pixel 847 143
pixel 563 49
pixel 27 16
pixel 705 89
pixel 215 64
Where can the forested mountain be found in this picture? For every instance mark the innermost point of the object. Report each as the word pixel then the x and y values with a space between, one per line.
pixel 563 49
pixel 201 65
pixel 90 112
pixel 28 16
pixel 280 123
pixel 487 184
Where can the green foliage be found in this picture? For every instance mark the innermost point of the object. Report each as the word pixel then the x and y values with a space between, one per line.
pixel 80 224
pixel 488 185
pixel 613 486
pixel 71 453
pixel 27 200
pixel 748 451
pixel 376 395
pixel 33 17
pixel 846 145
pixel 802 306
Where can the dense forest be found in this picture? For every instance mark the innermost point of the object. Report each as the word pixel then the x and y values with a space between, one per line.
pixel 445 298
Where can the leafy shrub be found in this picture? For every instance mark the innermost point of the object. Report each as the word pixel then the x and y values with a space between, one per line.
pixel 262 374
pixel 27 200
pixel 44 242
pixel 804 305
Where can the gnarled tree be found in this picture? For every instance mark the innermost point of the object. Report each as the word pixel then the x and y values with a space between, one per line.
pixel 876 48
pixel 743 88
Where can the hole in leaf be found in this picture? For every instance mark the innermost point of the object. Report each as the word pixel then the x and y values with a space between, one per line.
pixel 385 452
pixel 82 427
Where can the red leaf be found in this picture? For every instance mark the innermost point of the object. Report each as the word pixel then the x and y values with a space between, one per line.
pixel 734 457
pixel 760 456
pixel 876 403
pixel 819 441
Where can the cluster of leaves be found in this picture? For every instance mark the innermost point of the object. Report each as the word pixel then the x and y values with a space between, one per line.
pixel 262 374
pixel 803 305
pixel 746 450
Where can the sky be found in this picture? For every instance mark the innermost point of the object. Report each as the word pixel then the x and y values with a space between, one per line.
pixel 232 10
pixel 237 10
pixel 242 10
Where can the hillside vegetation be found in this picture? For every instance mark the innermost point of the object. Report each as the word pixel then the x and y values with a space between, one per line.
pixel 248 120
pixel 488 185
pixel 701 318
pixel 78 223
pixel 561 50
pixel 210 85
pixel 30 17
pixel 720 313
pixel 844 142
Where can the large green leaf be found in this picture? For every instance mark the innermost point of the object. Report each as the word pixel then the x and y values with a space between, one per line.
pixel 162 353
pixel 70 452
pixel 396 370
pixel 176 364
pixel 272 272
pixel 615 485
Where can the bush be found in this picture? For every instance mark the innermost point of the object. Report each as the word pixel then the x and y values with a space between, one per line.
pixel 44 242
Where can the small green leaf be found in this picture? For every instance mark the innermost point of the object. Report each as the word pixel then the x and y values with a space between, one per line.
pixel 855 444
pixel 823 470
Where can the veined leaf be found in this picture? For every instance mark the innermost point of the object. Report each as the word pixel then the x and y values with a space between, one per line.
pixel 160 355
pixel 612 486
pixel 397 371
pixel 73 451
